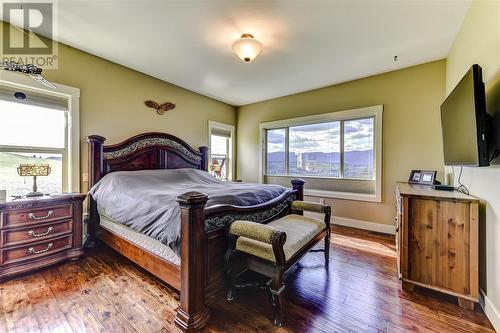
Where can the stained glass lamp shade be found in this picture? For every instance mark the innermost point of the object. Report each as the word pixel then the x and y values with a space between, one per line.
pixel 34 170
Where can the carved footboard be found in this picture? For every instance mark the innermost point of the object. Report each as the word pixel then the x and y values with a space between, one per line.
pixel 204 242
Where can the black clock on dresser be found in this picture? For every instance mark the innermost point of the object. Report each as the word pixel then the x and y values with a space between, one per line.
pixel 40 231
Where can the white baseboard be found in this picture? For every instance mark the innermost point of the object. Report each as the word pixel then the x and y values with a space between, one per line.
pixel 378 227
pixel 490 310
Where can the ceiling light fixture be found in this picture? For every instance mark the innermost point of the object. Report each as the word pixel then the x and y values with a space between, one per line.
pixel 247 47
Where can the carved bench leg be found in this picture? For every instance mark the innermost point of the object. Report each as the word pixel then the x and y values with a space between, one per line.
pixel 328 214
pixel 327 248
pixel 229 277
pixel 277 290
pixel 229 289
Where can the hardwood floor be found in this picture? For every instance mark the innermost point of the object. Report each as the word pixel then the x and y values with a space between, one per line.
pixel 358 293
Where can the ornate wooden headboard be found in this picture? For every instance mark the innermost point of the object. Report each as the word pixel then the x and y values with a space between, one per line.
pixel 143 152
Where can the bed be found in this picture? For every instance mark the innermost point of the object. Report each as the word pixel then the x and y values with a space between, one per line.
pixel 195 264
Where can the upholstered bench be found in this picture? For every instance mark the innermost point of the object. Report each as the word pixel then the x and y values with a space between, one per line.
pixel 272 249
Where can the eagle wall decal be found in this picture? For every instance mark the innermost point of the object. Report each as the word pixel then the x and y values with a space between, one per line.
pixel 160 109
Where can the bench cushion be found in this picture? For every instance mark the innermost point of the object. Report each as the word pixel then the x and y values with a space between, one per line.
pixel 299 231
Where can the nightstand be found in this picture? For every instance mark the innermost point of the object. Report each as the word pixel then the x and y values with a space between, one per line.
pixel 40 231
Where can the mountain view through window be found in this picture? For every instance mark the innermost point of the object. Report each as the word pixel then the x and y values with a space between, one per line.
pixel 338 149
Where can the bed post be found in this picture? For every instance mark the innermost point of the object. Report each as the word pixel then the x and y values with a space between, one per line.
pixel 193 313
pixel 298 184
pixel 95 172
pixel 204 158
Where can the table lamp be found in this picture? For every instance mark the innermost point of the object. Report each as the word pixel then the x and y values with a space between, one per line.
pixel 35 170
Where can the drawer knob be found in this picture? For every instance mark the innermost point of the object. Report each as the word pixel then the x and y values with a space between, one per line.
pixel 34 217
pixel 32 250
pixel 32 233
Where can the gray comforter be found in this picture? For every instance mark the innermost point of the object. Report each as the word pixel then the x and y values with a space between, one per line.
pixel 145 200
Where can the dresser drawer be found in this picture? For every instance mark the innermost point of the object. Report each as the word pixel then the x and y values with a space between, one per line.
pixel 33 251
pixel 34 233
pixel 35 216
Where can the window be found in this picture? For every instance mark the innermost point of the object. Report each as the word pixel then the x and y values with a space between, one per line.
pixel 315 150
pixel 221 150
pixel 37 130
pixel 341 148
pixel 31 135
pixel 359 158
pixel 276 151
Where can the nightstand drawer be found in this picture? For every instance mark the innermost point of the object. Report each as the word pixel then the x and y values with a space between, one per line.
pixel 34 233
pixel 36 250
pixel 35 216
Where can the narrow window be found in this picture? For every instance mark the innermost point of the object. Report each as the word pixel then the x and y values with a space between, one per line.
pixel 358 149
pixel 221 150
pixel 276 151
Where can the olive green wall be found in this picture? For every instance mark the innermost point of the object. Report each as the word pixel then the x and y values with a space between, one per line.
pixel 479 42
pixel 411 128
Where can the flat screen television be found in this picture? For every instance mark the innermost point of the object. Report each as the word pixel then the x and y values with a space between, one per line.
pixel 464 121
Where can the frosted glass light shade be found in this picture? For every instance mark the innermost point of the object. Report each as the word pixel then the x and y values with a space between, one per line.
pixel 247 47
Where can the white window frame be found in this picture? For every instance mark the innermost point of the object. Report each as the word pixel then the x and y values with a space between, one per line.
pixel 372 111
pixel 71 156
pixel 224 127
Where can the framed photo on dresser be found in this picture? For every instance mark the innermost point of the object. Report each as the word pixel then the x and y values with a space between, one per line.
pixel 422 177
pixel 415 176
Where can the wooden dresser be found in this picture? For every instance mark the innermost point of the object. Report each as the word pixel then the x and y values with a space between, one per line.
pixel 41 231
pixel 437 241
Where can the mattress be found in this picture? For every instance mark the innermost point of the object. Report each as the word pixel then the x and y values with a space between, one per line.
pixel 146 200
pixel 145 242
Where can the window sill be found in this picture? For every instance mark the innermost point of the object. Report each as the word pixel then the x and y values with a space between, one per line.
pixel 339 188
pixel 343 195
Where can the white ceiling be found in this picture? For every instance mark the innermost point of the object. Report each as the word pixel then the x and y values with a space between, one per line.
pixel 307 44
